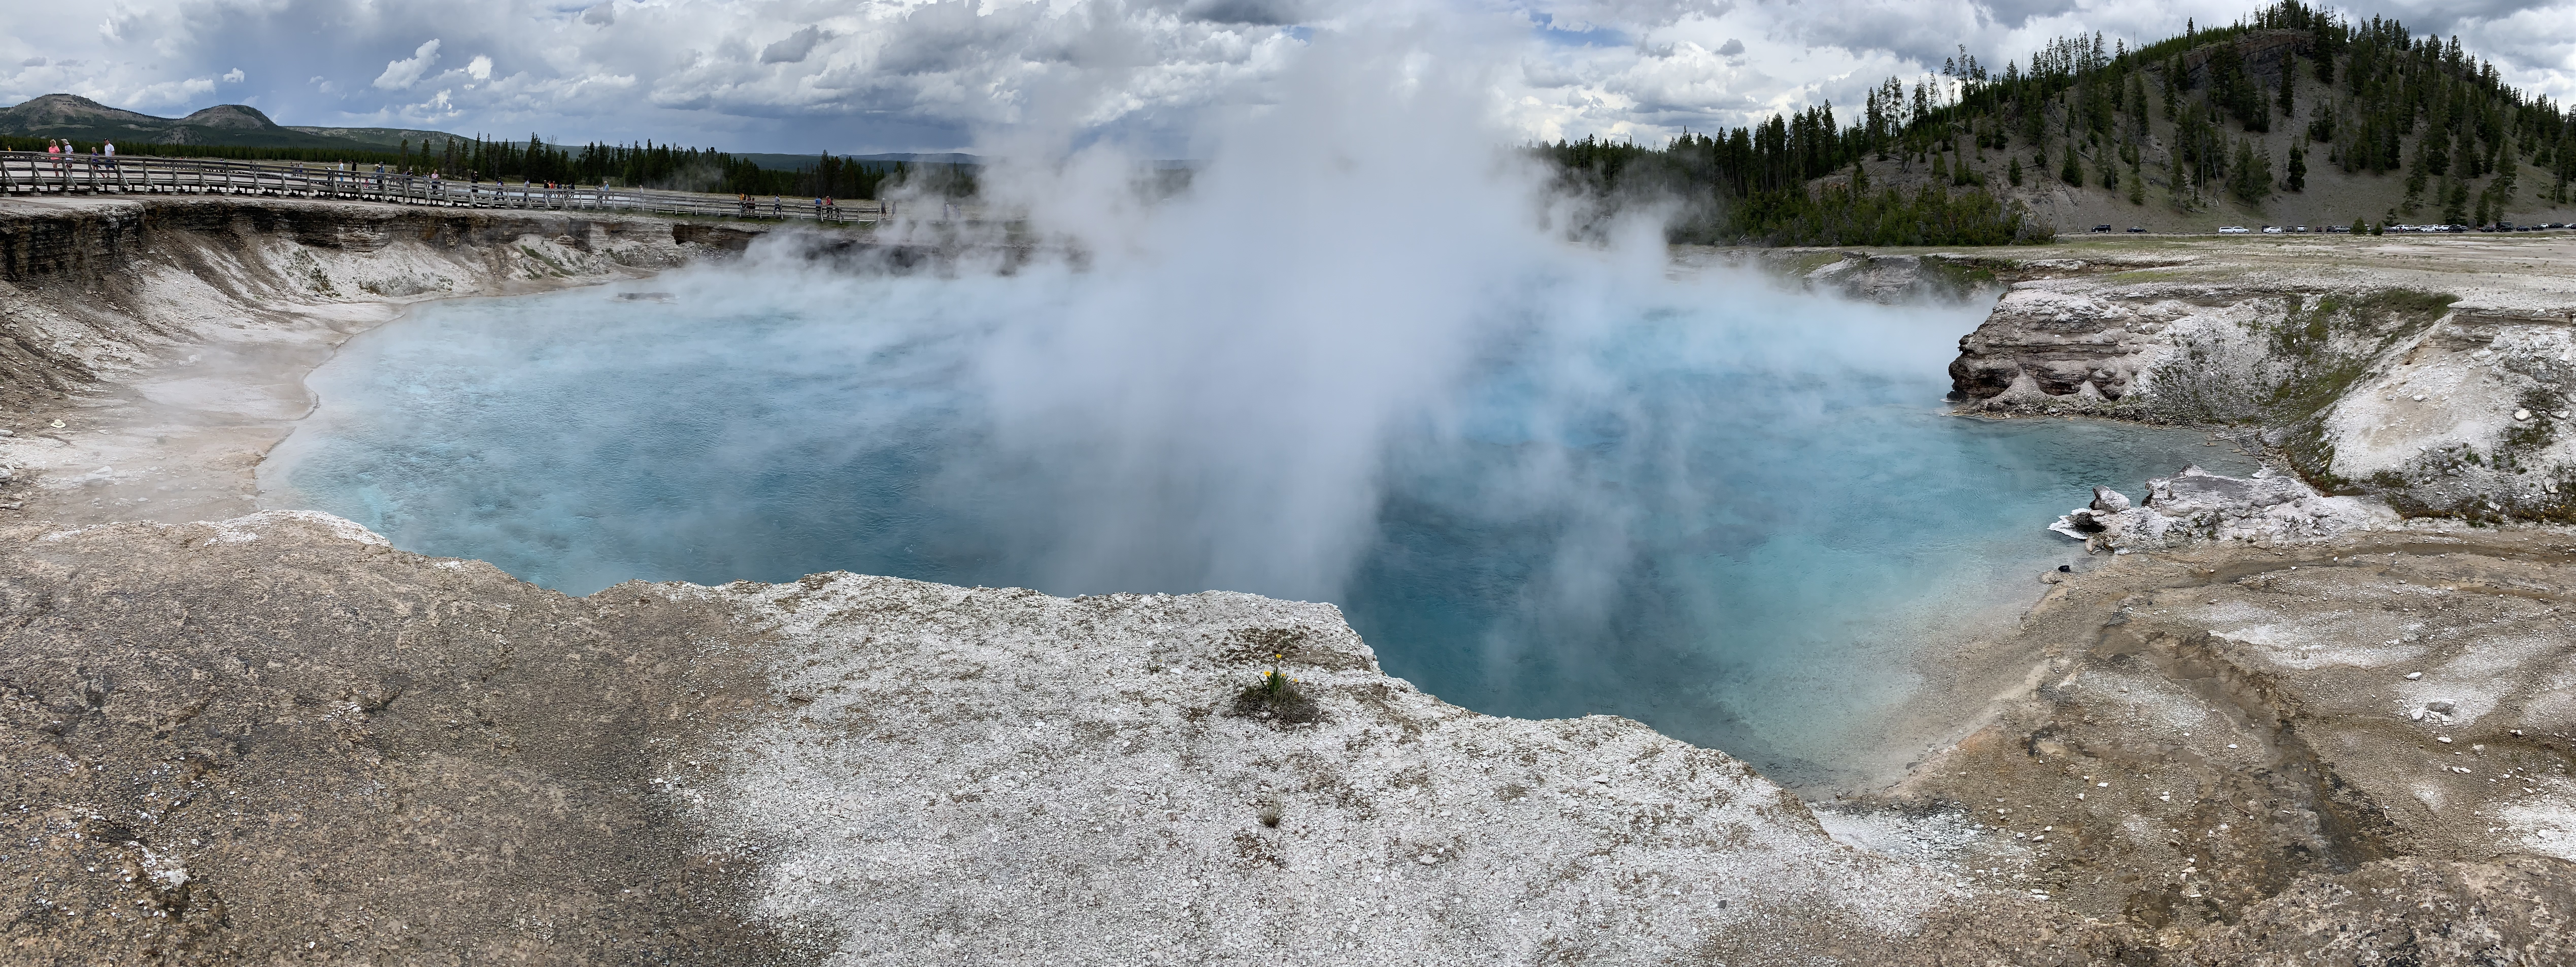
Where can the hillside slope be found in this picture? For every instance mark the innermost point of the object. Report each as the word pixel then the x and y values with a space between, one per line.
pixel 2291 116
pixel 83 120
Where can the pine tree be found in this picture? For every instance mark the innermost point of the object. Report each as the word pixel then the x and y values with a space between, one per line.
pixel 2418 174
pixel 2455 201
pixel 2073 173
pixel 2013 174
pixel 2110 176
pixel 2498 194
pixel 2252 180
pixel 2298 177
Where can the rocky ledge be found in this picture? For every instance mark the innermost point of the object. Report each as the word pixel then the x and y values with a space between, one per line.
pixel 276 739
pixel 2430 373
pixel 2196 505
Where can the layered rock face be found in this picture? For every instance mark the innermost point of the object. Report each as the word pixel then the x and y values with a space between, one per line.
pixel 2431 374
pixel 2040 345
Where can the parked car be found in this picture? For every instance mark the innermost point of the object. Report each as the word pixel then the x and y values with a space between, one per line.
pixel 2339 229
pixel 2271 230
pixel 2101 228
pixel 2137 229
pixel 2236 230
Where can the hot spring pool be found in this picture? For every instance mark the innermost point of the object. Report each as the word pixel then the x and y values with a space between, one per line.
pixel 1731 513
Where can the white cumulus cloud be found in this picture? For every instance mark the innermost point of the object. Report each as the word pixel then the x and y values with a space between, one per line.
pixel 400 74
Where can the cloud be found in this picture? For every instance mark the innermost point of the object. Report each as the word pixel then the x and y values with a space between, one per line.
pixel 1267 13
pixel 233 76
pixel 792 49
pixel 171 93
pixel 945 74
pixel 400 74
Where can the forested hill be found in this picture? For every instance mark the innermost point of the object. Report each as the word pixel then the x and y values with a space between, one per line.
pixel 2292 116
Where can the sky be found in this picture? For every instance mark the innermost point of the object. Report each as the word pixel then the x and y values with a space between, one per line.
pixel 862 76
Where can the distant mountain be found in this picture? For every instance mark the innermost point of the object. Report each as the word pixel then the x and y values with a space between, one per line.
pixel 81 119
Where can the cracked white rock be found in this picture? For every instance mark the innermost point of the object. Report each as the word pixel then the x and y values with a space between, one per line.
pixel 2196 505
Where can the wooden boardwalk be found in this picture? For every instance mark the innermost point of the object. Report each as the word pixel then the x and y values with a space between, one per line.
pixel 37 173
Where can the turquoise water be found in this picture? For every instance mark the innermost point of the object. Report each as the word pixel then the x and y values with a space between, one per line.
pixel 1731 513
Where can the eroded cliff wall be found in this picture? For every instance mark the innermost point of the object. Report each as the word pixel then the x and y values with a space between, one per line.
pixel 98 286
pixel 2431 374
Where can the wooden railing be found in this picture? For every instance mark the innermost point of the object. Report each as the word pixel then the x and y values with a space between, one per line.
pixel 35 172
